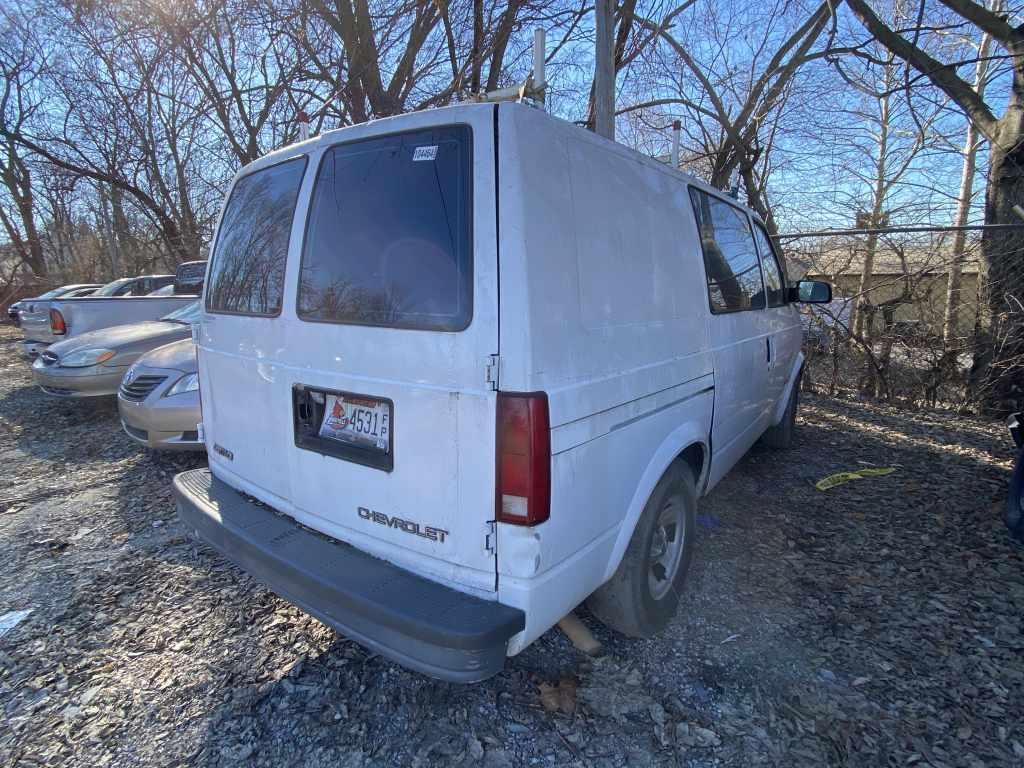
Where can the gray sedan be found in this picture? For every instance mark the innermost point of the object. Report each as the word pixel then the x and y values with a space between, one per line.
pixel 93 364
pixel 159 399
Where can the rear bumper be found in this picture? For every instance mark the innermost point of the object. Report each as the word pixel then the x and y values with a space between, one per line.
pixel 180 440
pixel 418 623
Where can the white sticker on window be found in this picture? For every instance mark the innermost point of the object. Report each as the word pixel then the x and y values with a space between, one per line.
pixel 425 153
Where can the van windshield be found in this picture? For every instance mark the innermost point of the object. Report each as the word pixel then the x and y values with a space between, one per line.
pixel 389 233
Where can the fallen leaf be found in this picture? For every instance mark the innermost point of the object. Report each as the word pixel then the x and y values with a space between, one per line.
pixel 690 735
pixel 560 697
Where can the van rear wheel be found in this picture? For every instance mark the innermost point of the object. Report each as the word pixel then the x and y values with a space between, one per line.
pixel 643 595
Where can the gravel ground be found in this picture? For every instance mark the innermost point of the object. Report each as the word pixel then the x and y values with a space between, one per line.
pixel 877 623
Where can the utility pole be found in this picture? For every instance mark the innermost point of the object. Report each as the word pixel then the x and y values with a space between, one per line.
pixel 604 69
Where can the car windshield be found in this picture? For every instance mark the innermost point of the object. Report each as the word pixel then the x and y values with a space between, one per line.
pixel 186 315
pixel 55 293
pixel 110 289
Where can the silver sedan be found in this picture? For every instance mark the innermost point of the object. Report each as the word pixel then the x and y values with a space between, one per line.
pixel 159 399
pixel 93 364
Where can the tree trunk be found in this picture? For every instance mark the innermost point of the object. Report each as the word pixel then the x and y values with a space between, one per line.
pixel 129 254
pixel 108 235
pixel 475 62
pixel 951 317
pixel 27 244
pixel 998 371
pixel 863 304
pixel 26 209
pixel 604 69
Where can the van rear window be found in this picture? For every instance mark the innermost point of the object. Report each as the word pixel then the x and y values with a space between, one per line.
pixel 247 274
pixel 389 236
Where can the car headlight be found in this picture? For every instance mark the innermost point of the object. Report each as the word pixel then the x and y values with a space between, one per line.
pixel 83 358
pixel 187 383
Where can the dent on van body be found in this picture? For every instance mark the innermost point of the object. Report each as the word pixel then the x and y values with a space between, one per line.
pixel 549 570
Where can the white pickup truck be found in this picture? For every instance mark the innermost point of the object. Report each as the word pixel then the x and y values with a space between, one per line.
pixel 47 322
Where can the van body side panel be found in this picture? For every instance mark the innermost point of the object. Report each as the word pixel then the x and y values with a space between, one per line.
pixel 740 350
pixel 602 307
pixel 787 358
pixel 742 355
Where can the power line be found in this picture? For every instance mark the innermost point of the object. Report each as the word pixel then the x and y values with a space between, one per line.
pixel 898 230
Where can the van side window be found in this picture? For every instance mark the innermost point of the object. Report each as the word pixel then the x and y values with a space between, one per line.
pixel 730 257
pixel 774 277
pixel 389 238
pixel 247 273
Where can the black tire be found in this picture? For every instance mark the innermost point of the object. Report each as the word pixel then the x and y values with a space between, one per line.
pixel 1014 514
pixel 635 601
pixel 781 435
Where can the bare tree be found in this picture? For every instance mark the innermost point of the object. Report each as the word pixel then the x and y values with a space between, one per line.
pixel 243 67
pixel 129 121
pixel 18 220
pixel 896 133
pixel 741 100
pixel 965 197
pixel 999 361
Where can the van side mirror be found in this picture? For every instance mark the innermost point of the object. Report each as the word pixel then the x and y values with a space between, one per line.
pixel 811 292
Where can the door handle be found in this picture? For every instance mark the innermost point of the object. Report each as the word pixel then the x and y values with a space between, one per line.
pixel 768 347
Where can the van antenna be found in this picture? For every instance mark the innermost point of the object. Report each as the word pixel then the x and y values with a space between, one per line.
pixel 734 185
pixel 534 88
pixel 677 128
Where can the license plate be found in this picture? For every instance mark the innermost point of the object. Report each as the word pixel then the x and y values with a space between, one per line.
pixel 359 421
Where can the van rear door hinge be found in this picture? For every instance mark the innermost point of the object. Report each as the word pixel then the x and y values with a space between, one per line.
pixel 491 536
pixel 493 363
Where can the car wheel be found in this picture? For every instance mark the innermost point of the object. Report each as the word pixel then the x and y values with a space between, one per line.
pixel 642 596
pixel 781 435
pixel 1014 515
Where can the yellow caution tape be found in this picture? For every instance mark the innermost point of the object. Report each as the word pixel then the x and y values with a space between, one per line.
pixel 844 477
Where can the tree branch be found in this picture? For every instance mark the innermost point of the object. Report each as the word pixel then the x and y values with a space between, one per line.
pixel 989 22
pixel 941 75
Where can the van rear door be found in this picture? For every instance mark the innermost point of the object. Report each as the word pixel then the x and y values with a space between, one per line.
pixel 242 333
pixel 382 416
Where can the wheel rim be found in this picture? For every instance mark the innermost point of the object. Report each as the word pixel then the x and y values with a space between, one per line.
pixel 666 550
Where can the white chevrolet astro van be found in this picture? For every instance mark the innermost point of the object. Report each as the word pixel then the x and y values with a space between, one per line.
pixel 464 369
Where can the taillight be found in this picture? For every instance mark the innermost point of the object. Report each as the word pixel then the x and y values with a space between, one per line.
pixel 57 325
pixel 524 459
